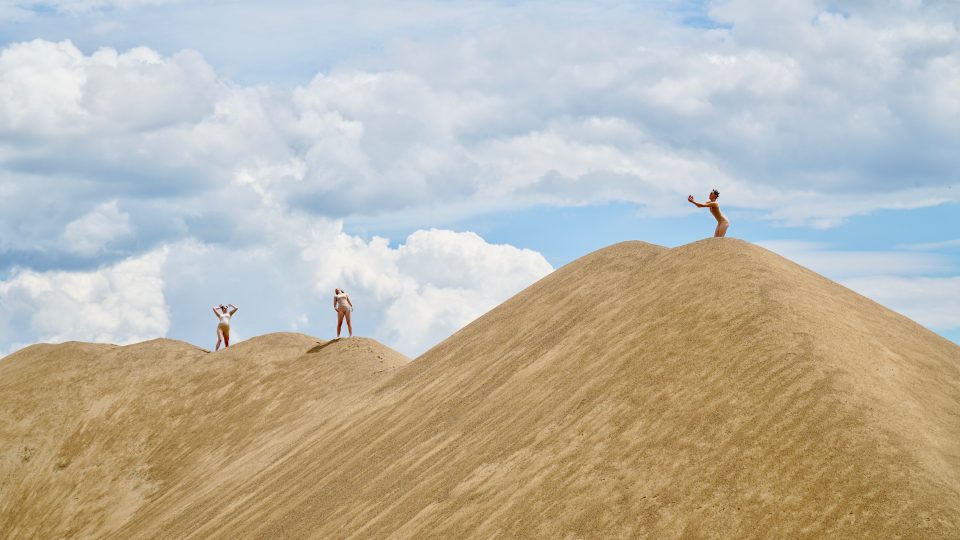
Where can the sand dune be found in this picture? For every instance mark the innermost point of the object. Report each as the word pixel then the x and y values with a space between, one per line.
pixel 92 434
pixel 710 390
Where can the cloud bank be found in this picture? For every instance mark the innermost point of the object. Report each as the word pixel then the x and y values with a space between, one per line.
pixel 803 113
pixel 411 296
pixel 123 303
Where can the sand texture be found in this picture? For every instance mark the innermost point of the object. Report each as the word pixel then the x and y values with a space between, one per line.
pixel 714 390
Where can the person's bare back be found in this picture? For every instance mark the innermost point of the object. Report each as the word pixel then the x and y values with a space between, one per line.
pixel 715 210
pixel 714 206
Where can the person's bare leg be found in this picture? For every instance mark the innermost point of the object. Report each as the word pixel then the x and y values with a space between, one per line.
pixel 349 324
pixel 339 322
pixel 721 229
pixel 226 338
pixel 219 339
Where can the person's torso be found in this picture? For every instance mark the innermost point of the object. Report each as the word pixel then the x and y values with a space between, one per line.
pixel 341 300
pixel 717 213
pixel 224 318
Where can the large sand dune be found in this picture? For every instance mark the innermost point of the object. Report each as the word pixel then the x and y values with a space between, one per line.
pixel 711 390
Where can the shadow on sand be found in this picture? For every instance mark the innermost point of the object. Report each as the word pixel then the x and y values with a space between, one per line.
pixel 320 347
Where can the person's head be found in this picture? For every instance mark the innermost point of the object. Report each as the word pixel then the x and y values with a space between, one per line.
pixel 223 308
pixel 337 291
pixel 714 194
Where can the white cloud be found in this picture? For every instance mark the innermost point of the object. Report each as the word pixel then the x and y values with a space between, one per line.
pixel 823 211
pixel 854 115
pixel 449 259
pixel 930 301
pixel 932 246
pixel 95 231
pixel 897 279
pixel 13 13
pixel 53 89
pixel 86 6
pixel 803 113
pixel 424 315
pixel 451 279
pixel 845 264
pixel 426 288
pixel 409 296
pixel 40 87
pixel 123 303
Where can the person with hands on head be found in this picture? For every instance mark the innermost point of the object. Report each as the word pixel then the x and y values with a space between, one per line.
pixel 714 206
pixel 344 307
pixel 223 327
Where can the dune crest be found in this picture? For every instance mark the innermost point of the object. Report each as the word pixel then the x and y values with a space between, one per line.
pixel 711 390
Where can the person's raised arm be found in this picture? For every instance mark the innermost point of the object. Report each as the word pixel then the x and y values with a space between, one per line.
pixel 707 204
pixel 215 314
pixel 234 310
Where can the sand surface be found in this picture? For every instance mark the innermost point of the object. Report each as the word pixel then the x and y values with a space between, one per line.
pixel 710 390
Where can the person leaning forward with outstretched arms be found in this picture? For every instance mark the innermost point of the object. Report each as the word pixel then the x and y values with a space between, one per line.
pixel 714 206
pixel 223 326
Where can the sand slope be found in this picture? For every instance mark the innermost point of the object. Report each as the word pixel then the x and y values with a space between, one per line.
pixel 92 434
pixel 711 390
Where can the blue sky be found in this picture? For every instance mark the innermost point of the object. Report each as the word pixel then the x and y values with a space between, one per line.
pixel 433 158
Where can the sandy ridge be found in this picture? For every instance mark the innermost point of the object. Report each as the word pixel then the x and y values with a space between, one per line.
pixel 710 390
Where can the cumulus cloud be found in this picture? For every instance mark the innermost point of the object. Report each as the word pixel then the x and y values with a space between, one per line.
pixel 53 89
pixel 804 112
pixel 123 303
pixel 410 296
pixel 91 234
pixel 423 290
pixel 856 112
pixel 452 278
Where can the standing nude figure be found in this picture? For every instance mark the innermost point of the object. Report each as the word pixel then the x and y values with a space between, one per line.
pixel 344 307
pixel 714 206
pixel 223 327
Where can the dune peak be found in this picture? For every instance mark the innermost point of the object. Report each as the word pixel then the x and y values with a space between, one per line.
pixel 714 389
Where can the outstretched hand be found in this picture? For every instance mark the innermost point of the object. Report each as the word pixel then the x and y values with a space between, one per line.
pixel 689 198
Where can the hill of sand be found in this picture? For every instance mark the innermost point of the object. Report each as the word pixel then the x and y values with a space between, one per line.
pixel 91 435
pixel 710 390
